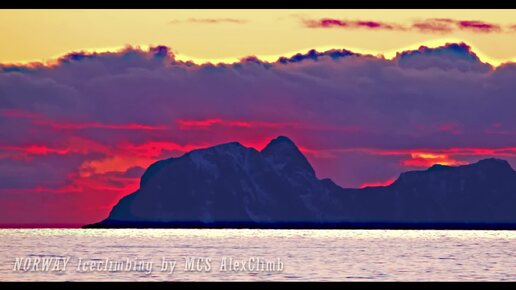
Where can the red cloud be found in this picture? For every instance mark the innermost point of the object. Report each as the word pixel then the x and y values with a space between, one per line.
pixel 479 26
pixel 208 123
pixel 39 119
pixel 97 125
pixel 154 149
pixel 71 145
pixel 36 149
pixel 331 22
pixel 203 124
pixel 440 25
pixel 325 22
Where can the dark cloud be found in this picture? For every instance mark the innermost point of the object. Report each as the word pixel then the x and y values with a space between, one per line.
pixel 452 56
pixel 315 55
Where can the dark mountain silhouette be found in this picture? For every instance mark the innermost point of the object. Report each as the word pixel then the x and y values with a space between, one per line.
pixel 230 185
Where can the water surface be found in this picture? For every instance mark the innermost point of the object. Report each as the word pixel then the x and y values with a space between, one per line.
pixel 330 255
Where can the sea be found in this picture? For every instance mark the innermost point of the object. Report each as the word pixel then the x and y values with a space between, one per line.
pixel 256 255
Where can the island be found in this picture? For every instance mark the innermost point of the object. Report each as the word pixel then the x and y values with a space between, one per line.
pixel 233 186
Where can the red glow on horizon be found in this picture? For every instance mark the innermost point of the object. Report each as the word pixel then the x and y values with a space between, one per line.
pixel 109 170
pixel 427 159
pixel 377 183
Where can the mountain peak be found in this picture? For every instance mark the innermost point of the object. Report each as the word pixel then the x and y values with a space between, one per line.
pixel 229 145
pixel 488 168
pixel 488 164
pixel 222 148
pixel 282 139
pixel 492 163
pixel 438 167
pixel 283 154
pixel 280 143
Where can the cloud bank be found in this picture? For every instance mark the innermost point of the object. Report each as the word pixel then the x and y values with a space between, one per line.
pixel 76 135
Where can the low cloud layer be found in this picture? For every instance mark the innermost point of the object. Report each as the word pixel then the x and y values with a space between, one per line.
pixel 76 135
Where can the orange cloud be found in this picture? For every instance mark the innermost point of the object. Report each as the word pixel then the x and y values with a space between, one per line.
pixel 126 156
pixel 427 159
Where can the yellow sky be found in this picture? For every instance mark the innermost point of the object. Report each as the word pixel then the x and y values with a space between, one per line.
pixel 43 35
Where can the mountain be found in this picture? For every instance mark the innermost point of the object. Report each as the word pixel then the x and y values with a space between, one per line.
pixel 230 185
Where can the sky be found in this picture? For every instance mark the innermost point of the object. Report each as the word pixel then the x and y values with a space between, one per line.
pixel 90 98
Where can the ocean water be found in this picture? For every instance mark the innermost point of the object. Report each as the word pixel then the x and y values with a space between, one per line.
pixel 266 255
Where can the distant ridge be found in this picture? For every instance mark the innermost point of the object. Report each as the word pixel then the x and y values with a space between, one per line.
pixel 231 186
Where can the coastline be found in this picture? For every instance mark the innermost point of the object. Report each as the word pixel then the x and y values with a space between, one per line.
pixel 306 226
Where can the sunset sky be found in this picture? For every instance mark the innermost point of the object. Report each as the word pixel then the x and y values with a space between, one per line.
pixel 90 98
pixel 227 35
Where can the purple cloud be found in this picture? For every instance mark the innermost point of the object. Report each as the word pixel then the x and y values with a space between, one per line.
pixel 457 56
pixel 479 26
pixel 430 25
pixel 332 22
